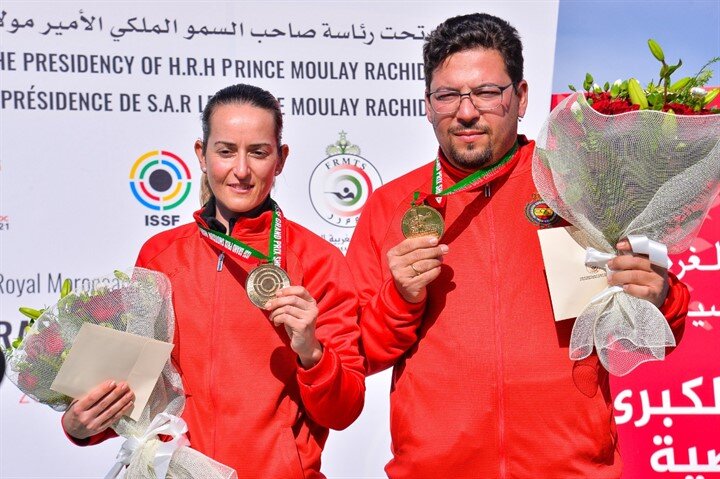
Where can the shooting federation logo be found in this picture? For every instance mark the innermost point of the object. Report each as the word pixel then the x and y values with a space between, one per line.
pixel 540 213
pixel 160 180
pixel 341 183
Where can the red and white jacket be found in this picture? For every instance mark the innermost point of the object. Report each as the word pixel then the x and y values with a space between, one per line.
pixel 482 384
pixel 250 404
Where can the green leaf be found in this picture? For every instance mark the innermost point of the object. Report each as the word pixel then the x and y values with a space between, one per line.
pixel 576 109
pixel 588 83
pixel 704 75
pixel 606 86
pixel 637 95
pixel 30 312
pixel 656 99
pixel 680 84
pixel 615 90
pixel 711 95
pixel 66 288
pixel 663 71
pixel 671 69
pixel 121 276
pixel 572 88
pixel 656 50
pixel 669 125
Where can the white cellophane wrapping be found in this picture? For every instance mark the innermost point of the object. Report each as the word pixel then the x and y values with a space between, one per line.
pixel 139 302
pixel 644 173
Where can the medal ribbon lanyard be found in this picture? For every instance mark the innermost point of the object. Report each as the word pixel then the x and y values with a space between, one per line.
pixel 474 180
pixel 242 251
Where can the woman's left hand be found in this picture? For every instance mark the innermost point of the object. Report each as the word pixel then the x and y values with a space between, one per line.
pixel 295 309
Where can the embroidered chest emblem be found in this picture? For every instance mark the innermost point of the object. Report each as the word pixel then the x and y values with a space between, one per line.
pixel 539 212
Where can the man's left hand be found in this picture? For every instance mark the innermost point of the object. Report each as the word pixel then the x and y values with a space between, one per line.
pixel 637 275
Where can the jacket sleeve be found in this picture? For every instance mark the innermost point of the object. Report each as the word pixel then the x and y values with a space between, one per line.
pixel 675 307
pixel 148 251
pixel 333 390
pixel 388 323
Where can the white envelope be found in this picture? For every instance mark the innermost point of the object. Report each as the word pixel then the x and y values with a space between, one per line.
pixel 571 283
pixel 99 354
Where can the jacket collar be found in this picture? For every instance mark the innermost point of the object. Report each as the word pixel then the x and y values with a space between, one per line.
pixel 456 174
pixel 255 221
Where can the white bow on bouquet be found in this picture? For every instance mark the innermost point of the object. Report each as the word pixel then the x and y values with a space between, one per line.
pixel 139 303
pixel 646 175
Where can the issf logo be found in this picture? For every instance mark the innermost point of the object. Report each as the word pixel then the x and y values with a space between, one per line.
pixel 341 183
pixel 160 181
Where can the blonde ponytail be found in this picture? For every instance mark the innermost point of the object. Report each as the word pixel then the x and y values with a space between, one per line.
pixel 205 191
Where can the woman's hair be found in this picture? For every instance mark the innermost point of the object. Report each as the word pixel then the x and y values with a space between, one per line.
pixel 237 94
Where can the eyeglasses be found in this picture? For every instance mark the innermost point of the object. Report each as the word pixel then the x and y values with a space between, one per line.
pixel 483 98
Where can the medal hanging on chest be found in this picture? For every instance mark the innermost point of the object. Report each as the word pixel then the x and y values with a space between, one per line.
pixel 268 277
pixel 424 220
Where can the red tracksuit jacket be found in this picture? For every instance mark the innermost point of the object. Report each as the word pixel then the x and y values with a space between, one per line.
pixel 250 405
pixel 482 383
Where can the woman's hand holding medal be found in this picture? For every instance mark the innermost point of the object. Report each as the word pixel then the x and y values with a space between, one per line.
pixel 294 308
pixel 414 263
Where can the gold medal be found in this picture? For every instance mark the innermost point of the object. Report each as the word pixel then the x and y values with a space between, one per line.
pixel 422 220
pixel 263 282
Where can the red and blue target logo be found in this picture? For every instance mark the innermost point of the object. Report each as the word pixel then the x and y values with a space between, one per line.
pixel 160 180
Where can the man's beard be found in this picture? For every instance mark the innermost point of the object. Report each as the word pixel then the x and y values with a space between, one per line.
pixel 470 157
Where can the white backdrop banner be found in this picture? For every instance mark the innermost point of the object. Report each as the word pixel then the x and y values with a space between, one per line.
pixel 100 105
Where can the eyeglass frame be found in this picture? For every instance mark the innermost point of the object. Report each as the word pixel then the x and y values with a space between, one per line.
pixel 502 91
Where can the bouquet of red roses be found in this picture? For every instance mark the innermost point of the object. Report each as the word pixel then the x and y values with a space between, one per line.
pixel 35 358
pixel 139 303
pixel 623 161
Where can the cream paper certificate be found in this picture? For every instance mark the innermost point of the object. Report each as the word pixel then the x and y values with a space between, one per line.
pixel 571 283
pixel 99 354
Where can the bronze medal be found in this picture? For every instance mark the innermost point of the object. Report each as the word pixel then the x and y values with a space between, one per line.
pixel 422 220
pixel 263 282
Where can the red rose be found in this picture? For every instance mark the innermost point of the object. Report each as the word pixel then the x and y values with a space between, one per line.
pixel 604 103
pixel 104 308
pixel 27 382
pixel 593 96
pixel 33 346
pixel 602 106
pixel 679 109
pixel 622 106
pixel 608 106
pixel 53 341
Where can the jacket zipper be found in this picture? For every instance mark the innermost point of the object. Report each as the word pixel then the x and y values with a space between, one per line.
pixel 499 363
pixel 214 325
